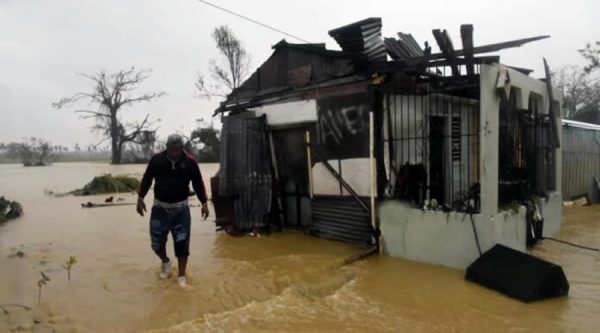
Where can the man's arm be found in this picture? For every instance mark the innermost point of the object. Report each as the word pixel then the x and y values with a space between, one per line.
pixel 199 188
pixel 144 187
pixel 198 184
pixel 146 180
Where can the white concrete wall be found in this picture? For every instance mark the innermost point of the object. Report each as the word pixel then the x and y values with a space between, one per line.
pixel 355 172
pixel 446 239
pixel 551 210
pixel 324 183
pixel 488 139
pixel 289 113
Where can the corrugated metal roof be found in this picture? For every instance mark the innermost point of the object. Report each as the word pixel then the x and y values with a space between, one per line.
pixel 404 47
pixel 362 37
pixel 580 124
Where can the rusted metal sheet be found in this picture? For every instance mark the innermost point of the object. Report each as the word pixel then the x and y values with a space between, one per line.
pixel 581 161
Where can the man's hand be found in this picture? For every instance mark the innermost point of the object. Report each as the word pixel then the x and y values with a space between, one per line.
pixel 141 207
pixel 205 210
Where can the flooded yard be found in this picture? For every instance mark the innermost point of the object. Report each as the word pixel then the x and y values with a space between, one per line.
pixel 285 282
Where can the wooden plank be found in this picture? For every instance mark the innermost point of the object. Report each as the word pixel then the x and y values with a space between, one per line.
pixel 466 35
pixel 525 71
pixel 553 112
pixel 445 43
pixel 485 48
pixel 464 61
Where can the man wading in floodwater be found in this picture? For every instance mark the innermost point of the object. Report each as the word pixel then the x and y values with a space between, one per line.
pixel 173 170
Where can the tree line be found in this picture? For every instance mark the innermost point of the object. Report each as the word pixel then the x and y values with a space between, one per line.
pixel 581 86
pixel 111 93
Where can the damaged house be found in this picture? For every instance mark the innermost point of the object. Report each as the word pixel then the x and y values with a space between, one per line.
pixel 434 157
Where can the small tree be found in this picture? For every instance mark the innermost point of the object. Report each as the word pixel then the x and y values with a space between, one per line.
pixel 31 152
pixel 112 92
pixel 230 70
pixel 207 143
pixel 42 282
pixel 68 265
pixel 147 143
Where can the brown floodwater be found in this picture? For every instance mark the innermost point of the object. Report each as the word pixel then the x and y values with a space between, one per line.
pixel 285 282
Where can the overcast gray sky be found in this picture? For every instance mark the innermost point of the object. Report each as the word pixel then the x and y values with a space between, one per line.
pixel 44 43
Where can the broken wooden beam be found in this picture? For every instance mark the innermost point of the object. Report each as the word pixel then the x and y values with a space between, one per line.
pixel 483 49
pixel 525 71
pixel 466 35
pixel 464 61
pixel 553 112
pixel 445 44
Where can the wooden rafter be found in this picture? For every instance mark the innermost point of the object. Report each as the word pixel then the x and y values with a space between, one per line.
pixel 466 35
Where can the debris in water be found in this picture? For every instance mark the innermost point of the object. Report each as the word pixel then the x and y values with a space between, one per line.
pixel 17 254
pixel 9 209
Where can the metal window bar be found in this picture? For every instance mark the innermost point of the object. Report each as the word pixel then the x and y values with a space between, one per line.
pixel 433 135
pixel 526 156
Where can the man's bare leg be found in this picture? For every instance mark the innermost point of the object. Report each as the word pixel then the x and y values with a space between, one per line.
pixel 182 262
pixel 162 254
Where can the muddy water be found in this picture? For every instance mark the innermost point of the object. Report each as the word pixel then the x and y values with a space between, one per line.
pixel 283 282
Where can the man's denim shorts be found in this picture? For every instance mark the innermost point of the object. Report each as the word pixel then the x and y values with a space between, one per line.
pixel 177 221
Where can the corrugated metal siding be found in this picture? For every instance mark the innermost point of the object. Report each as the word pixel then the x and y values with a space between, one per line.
pixel 245 170
pixel 581 162
pixel 341 218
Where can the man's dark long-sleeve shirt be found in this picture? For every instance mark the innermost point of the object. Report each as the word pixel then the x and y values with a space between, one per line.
pixel 172 179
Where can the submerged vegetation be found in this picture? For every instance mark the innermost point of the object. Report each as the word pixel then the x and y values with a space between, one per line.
pixel 68 265
pixel 108 183
pixel 42 282
pixel 9 209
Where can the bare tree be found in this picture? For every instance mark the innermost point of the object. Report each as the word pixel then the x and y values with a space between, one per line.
pixel 147 144
pixel 592 55
pixel 581 86
pixel 581 93
pixel 112 92
pixel 230 70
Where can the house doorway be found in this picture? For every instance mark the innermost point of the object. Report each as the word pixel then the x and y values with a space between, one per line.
pixel 289 146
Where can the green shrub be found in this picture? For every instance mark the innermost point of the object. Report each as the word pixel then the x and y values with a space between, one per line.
pixel 108 183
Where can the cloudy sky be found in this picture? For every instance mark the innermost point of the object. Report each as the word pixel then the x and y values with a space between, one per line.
pixel 44 43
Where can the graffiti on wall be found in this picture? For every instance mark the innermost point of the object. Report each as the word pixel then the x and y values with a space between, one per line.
pixel 343 130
